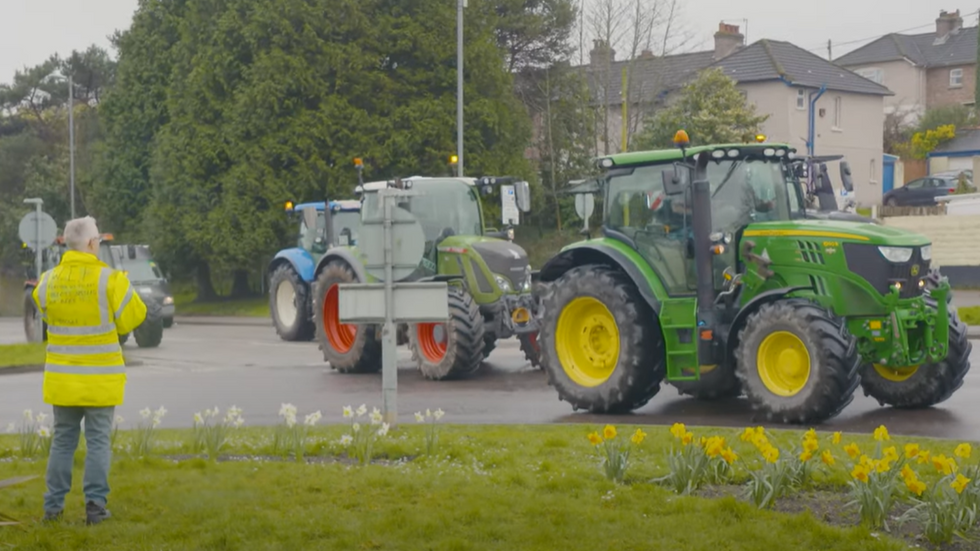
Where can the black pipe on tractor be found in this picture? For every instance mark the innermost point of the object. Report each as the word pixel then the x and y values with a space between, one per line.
pixel 701 226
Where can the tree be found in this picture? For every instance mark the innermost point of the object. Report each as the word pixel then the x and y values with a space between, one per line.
pixel 710 108
pixel 534 33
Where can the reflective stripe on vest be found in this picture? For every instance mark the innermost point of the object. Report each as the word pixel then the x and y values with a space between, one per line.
pixel 125 300
pixel 85 370
pixel 83 349
pixel 79 330
pixel 104 296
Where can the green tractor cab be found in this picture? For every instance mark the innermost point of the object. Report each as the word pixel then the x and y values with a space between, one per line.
pixel 489 277
pixel 711 275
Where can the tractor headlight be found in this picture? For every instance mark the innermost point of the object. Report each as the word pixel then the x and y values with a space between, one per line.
pixel 167 301
pixel 503 283
pixel 926 253
pixel 896 254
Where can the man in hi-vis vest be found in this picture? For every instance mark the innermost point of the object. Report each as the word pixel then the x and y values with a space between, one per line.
pixel 86 305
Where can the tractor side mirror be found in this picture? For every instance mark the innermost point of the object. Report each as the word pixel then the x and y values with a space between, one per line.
pixel 845 176
pixel 824 185
pixel 522 191
pixel 677 180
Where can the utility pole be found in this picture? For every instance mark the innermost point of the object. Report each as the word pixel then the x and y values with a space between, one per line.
pixel 71 141
pixel 830 51
pixel 460 4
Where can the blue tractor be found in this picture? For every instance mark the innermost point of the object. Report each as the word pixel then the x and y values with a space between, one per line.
pixel 291 272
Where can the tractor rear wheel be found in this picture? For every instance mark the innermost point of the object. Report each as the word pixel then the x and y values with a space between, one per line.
pixel 926 385
pixel 797 362
pixel 718 383
pixel 289 304
pixel 531 348
pixel 448 350
pixel 600 342
pixel 347 347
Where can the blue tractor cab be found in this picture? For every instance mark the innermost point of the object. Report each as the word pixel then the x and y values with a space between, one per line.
pixel 322 225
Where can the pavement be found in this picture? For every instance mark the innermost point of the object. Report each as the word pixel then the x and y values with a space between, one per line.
pixel 204 365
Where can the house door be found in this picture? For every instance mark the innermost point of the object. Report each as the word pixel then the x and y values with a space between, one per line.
pixel 887 175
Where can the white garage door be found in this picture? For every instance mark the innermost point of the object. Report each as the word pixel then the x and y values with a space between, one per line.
pixel 960 163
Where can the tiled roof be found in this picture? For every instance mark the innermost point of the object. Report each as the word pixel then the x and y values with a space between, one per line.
pixel 925 50
pixel 648 76
pixel 775 60
pixel 966 140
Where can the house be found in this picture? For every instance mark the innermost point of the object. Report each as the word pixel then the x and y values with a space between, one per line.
pixel 925 70
pixel 960 153
pixel 812 104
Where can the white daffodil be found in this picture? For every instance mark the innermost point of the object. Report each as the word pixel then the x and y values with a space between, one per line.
pixel 438 414
pixel 428 413
pixel 376 417
pixel 383 430
pixel 198 419
pixel 156 422
pixel 348 412
pixel 119 419
pixel 28 414
pixel 44 432
pixel 145 413
pixel 162 411
pixel 419 417
pixel 239 421
pixel 11 428
pixel 41 417
pixel 361 410
pixel 312 418
pixel 346 440
pixel 356 427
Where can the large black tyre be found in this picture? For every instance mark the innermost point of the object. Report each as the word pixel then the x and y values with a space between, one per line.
pixel 168 322
pixel 929 384
pixel 716 384
pixel 289 296
pixel 30 316
pixel 445 351
pixel 640 363
pixel 489 344
pixel 348 348
pixel 123 338
pixel 149 334
pixel 531 347
pixel 831 352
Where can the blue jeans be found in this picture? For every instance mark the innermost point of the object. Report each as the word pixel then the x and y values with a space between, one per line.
pixel 98 434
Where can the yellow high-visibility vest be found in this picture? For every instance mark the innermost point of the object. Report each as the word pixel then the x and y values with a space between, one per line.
pixel 86 305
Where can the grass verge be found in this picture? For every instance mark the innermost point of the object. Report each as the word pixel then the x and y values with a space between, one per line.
pixel 969 314
pixel 186 304
pixel 485 488
pixel 20 355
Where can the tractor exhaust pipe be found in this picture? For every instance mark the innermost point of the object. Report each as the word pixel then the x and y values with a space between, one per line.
pixel 703 262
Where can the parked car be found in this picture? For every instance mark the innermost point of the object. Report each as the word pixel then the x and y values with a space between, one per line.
pixel 923 191
pixel 956 173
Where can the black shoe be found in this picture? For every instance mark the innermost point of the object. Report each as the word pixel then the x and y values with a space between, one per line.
pixel 95 514
pixel 52 517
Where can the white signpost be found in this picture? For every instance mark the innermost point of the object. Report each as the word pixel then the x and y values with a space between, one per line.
pixel 509 212
pixel 393 245
pixel 38 231
pixel 584 205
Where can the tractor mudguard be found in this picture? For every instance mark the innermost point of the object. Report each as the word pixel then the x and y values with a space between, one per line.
pixel 598 254
pixel 753 305
pixel 345 254
pixel 299 259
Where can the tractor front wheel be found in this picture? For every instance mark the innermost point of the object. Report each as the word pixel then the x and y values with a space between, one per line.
pixel 347 347
pixel 600 341
pixel 718 383
pixel 926 385
pixel 451 349
pixel 289 304
pixel 797 362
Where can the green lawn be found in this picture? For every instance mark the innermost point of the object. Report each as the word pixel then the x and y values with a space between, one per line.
pixel 186 304
pixel 19 355
pixel 969 314
pixel 486 488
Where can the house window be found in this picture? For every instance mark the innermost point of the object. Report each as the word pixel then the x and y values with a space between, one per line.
pixel 875 75
pixel 838 102
pixel 800 98
pixel 874 173
pixel 955 78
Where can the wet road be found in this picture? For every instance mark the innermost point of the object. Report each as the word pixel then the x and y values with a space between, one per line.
pixel 203 366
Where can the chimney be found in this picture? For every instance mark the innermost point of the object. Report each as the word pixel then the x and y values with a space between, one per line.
pixel 948 22
pixel 601 54
pixel 646 54
pixel 727 40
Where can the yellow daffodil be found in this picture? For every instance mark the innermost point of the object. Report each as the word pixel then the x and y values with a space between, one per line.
pixel 747 435
pixel 835 439
pixel 714 446
pixel 915 486
pixel 852 450
pixel 687 438
pixel 908 473
pixel 810 445
pixel 828 458
pixel 911 451
pixel 729 455
pixel 810 435
pixel 760 441
pixel 963 451
pixel 881 433
pixel 882 466
pixel 943 464
pixel 609 432
pixel 678 430
pixel 771 454
pixel 924 457
pixel 595 439
pixel 960 483
pixel 638 437
pixel 806 456
pixel 860 473
pixel 866 461
pixel 703 442
pixel 891 454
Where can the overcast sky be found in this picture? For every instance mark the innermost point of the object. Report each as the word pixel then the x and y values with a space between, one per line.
pixel 31 30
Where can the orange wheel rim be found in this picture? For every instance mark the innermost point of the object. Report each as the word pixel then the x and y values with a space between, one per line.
pixel 340 335
pixel 432 340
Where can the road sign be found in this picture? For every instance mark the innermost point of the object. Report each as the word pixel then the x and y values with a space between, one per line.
pixel 509 212
pixel 584 205
pixel 401 245
pixel 38 236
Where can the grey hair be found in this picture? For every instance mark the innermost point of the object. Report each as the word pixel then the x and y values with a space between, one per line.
pixel 79 232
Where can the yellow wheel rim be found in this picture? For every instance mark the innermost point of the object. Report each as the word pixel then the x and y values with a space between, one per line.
pixel 783 363
pixel 587 341
pixel 896 374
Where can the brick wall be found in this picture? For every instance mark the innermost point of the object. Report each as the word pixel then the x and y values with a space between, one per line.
pixel 938 91
pixel 954 238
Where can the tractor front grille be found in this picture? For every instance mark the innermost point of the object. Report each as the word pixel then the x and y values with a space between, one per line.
pixel 868 262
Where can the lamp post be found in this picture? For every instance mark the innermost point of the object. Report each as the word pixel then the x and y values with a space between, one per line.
pixel 460 4
pixel 71 142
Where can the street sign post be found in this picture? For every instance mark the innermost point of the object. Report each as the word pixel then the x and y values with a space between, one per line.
pixel 584 205
pixel 392 255
pixel 38 231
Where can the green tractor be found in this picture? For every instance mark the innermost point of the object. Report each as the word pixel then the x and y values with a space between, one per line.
pixel 489 277
pixel 711 275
